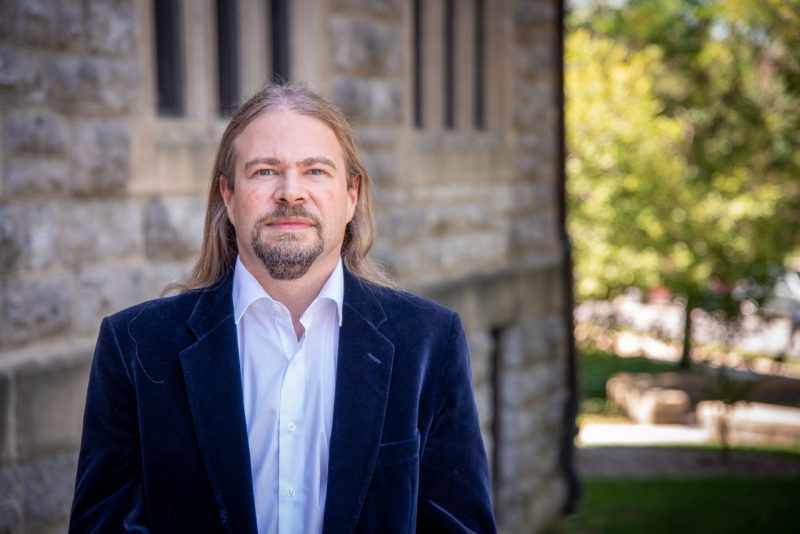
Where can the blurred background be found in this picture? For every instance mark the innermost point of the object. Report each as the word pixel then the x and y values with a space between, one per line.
pixel 651 144
pixel 683 165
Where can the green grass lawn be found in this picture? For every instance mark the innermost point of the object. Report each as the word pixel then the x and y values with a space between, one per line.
pixel 686 506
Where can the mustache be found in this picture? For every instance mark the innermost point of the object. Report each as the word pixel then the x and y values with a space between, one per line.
pixel 283 211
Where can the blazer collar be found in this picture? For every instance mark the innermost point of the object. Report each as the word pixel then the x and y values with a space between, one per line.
pixel 214 388
pixel 363 373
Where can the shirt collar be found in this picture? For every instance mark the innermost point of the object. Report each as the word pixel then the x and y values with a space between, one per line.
pixel 247 290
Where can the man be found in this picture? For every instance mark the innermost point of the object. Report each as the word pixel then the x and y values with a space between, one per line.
pixel 289 387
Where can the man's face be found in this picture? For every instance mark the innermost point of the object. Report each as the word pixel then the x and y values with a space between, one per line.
pixel 290 204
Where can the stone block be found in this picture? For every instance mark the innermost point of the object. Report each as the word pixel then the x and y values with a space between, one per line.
pixel 11 499
pixel 91 85
pixel 534 12
pixel 520 388
pixel 370 138
pixel 404 226
pixel 537 291
pixel 365 46
pixel 546 506
pixel 369 101
pixel 19 76
pixel 160 274
pixel 35 307
pixel 511 347
pixel 93 230
pixel 37 131
pixel 36 228
pixel 101 156
pixel 49 486
pixel 661 406
pixel 49 406
pixel 533 232
pixel 174 227
pixel 752 423
pixel 656 398
pixel 11 240
pixel 518 461
pixel 382 167
pixel 393 8
pixel 6 419
pixel 104 289
pixel 112 26
pixel 47 23
pixel 500 300
pixel 8 20
pixel 69 233
pixel 33 177
pixel 481 352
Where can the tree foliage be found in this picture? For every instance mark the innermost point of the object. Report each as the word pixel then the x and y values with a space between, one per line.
pixel 683 128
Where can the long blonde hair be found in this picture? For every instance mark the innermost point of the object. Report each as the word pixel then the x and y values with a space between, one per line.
pixel 219 250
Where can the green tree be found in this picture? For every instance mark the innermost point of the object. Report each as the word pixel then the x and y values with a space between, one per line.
pixel 682 123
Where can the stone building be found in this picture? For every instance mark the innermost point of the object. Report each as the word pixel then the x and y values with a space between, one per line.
pixel 110 112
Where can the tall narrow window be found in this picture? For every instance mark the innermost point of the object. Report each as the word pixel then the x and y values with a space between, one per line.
pixel 169 58
pixel 479 118
pixel 279 24
pixel 227 56
pixel 449 64
pixel 418 43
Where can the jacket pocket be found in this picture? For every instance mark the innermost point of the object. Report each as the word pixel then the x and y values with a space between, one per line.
pixel 391 503
pixel 396 452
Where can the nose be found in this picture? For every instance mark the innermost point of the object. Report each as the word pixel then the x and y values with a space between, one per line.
pixel 291 188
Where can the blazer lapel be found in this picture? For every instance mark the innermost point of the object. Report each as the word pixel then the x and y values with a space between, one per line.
pixel 214 387
pixel 363 373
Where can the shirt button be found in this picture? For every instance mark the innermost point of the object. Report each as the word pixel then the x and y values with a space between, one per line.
pixel 290 493
pixel 292 427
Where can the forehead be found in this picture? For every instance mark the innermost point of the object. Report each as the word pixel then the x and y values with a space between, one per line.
pixel 289 136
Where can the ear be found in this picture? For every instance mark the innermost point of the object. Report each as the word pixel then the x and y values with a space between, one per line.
pixel 227 197
pixel 352 196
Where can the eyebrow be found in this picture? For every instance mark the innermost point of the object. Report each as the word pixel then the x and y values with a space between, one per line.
pixel 262 161
pixel 318 160
pixel 314 160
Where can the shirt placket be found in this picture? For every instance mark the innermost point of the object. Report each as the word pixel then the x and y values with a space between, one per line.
pixel 292 435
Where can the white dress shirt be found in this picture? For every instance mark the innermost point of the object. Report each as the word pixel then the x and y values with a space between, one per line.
pixel 288 391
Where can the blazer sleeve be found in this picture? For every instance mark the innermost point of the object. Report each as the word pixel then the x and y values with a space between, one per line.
pixel 455 492
pixel 108 487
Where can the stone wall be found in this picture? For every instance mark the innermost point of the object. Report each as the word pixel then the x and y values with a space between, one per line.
pixel 101 204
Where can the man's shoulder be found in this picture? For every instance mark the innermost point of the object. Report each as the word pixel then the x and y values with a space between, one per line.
pixel 413 309
pixel 166 309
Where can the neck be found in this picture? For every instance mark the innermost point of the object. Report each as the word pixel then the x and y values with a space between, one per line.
pixel 297 295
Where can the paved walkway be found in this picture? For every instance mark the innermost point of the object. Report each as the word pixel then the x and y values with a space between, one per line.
pixel 653 451
pixel 672 462
pixel 593 434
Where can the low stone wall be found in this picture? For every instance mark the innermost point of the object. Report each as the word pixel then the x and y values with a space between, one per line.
pixel 752 423
pixel 687 398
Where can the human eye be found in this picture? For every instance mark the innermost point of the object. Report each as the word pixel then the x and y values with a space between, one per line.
pixel 317 172
pixel 266 172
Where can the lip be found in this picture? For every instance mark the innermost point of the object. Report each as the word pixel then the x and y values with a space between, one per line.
pixel 290 223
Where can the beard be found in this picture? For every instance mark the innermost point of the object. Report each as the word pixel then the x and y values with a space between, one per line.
pixel 284 257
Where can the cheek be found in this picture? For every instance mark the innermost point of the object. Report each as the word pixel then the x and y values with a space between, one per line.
pixel 253 205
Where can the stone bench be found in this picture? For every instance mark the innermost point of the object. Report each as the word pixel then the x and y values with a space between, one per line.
pixel 646 401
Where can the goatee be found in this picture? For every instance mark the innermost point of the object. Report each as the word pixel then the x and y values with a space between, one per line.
pixel 284 257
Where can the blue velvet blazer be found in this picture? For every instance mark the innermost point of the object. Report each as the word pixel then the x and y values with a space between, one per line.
pixel 164 446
